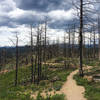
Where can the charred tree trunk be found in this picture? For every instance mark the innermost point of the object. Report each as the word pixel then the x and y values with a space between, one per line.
pixel 40 50
pixel 45 48
pixel 94 44
pixel 73 41
pixel 31 56
pixel 17 61
pixel 90 46
pixel 35 66
pixel 69 45
pixel 81 38
pixel 64 51
pixel 84 53
pixel 38 55
pixel 99 34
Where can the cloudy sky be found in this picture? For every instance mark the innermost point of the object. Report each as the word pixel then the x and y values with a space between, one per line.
pixel 17 15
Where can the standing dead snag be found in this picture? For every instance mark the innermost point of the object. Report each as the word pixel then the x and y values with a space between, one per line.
pixel 99 34
pixel 81 37
pixel 31 55
pixel 45 47
pixel 45 39
pixel 94 42
pixel 17 60
pixel 38 53
pixel 40 50
pixel 17 57
pixel 73 41
pixel 35 66
pixel 69 43
pixel 90 50
pixel 64 51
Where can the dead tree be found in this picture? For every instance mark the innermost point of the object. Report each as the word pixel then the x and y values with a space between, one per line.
pixel 17 57
pixel 94 42
pixel 35 65
pixel 69 43
pixel 45 41
pixel 45 47
pixel 88 48
pixel 65 48
pixel 57 47
pixel 99 34
pixel 40 50
pixel 73 41
pixel 84 53
pixel 31 55
pixel 90 45
pixel 81 38
pixel 17 61
pixel 39 53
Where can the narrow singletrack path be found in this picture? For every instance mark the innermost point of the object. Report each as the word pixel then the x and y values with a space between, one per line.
pixel 71 90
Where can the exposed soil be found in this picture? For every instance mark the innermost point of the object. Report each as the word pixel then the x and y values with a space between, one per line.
pixel 71 90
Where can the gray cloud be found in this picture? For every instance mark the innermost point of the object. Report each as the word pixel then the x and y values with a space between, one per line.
pixel 42 5
pixel 41 8
pixel 6 5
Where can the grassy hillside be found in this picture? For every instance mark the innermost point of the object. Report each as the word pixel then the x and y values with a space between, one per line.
pixel 24 89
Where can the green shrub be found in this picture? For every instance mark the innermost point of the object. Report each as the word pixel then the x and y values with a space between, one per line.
pixel 55 97
pixel 59 59
pixel 92 91
pixel 57 85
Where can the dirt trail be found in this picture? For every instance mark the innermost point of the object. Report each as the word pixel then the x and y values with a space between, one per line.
pixel 71 90
pixel 4 71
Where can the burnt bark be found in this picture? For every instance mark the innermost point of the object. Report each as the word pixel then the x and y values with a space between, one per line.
pixel 81 38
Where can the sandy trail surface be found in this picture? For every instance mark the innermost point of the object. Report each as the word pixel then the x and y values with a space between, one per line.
pixel 71 90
